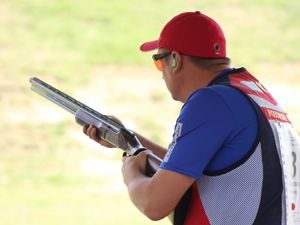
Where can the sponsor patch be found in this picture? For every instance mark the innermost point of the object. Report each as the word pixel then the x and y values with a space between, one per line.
pixel 177 133
pixel 276 115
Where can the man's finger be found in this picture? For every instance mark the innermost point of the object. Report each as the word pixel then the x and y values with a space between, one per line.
pixel 85 127
pixel 124 156
pixel 89 130
pixel 93 133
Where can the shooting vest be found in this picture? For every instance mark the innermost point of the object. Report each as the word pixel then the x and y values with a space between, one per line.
pixel 263 188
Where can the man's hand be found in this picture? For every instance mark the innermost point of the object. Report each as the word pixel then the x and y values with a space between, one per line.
pixel 134 166
pixel 157 196
pixel 91 131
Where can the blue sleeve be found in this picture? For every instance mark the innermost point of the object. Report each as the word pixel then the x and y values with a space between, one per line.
pixel 202 127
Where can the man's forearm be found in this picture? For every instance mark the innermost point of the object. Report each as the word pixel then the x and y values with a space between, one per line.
pixel 140 191
pixel 137 189
pixel 155 148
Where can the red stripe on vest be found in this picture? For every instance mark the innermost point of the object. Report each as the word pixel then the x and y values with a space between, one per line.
pixel 196 214
pixel 250 85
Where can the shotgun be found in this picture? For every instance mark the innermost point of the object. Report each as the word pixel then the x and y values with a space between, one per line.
pixel 107 129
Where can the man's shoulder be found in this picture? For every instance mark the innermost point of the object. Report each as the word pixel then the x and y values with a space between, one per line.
pixel 206 104
pixel 215 94
pixel 222 100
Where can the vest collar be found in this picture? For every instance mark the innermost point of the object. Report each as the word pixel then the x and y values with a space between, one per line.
pixel 225 73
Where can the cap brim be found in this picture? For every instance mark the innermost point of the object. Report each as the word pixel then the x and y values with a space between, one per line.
pixel 149 46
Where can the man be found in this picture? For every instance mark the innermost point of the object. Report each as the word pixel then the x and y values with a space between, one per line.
pixel 233 150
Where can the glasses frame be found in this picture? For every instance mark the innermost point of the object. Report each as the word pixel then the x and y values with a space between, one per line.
pixel 161 55
pixel 157 58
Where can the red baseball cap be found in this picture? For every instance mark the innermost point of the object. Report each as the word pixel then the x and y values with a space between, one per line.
pixel 191 33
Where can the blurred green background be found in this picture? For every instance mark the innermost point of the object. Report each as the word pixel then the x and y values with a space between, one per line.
pixel 50 173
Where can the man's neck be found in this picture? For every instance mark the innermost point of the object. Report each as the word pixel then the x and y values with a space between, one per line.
pixel 199 79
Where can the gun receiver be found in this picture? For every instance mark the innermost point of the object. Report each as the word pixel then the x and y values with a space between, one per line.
pixel 108 129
